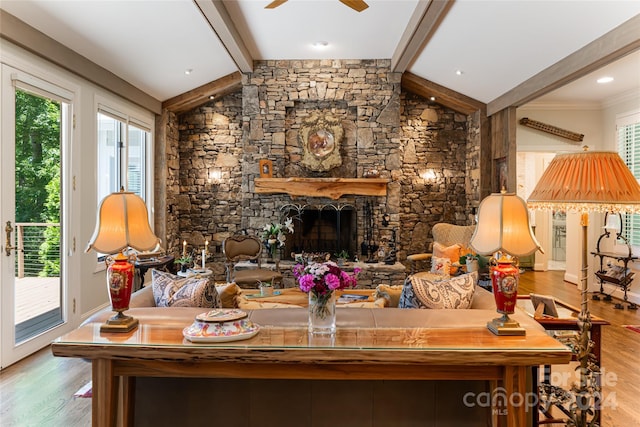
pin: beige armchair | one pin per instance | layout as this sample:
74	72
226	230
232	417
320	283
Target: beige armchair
445	235
240	247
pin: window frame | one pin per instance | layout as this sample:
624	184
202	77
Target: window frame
631	157
141	119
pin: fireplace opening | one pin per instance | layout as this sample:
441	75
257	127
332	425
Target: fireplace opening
327	229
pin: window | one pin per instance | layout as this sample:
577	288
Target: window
123	145
628	130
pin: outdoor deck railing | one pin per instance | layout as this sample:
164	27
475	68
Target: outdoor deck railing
37	249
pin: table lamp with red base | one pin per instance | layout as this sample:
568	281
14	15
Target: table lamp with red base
122	224
503	230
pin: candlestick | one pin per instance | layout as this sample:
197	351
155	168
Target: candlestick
184	248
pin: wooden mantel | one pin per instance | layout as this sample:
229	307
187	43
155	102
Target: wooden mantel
333	188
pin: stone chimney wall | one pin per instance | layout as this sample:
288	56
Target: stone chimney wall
397	133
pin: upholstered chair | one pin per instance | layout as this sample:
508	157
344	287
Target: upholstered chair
445	238
241	247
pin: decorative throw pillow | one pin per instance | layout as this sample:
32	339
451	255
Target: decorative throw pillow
456	292
175	291
228	293
441	266
452	252
390	293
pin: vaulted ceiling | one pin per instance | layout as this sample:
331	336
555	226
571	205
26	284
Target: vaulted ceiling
484	51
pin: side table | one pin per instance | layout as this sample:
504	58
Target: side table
567	320
160	263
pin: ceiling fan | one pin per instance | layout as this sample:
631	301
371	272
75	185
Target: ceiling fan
357	5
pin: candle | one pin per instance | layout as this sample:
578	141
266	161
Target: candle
204	257
184	248
206	246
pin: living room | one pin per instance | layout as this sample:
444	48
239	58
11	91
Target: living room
233	133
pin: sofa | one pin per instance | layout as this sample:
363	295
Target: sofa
232	296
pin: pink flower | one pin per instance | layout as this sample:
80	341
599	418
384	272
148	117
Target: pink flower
323	278
306	282
333	281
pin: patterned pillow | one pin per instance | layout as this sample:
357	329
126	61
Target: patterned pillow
453	253
456	292
441	266
175	291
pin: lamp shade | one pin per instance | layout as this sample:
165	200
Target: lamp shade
587	181
503	225
122	223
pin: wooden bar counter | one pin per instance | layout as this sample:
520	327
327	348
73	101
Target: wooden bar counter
370	344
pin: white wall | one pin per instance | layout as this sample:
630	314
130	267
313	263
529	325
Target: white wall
597	124
87	279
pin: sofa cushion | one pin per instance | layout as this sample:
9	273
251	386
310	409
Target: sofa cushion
174	291
456	292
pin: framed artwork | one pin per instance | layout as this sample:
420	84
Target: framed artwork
320	137
266	168
548	302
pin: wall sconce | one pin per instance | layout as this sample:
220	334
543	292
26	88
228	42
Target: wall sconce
428	175
215	176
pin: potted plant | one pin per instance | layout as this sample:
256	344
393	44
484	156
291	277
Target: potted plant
342	257
184	263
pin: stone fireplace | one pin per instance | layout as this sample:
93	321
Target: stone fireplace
384	130
328	228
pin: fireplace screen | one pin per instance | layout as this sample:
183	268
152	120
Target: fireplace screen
326	229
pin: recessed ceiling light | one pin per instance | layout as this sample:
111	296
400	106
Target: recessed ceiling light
433	98
606	79
320	44
459	72
188	71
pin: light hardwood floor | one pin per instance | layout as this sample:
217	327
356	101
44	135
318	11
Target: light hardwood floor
38	391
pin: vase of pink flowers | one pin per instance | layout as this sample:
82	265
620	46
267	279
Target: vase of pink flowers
320	280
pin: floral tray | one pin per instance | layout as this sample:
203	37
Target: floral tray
221	315
221	332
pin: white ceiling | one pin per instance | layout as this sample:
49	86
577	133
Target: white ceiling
497	44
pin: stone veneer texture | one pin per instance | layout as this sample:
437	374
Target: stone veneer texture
398	133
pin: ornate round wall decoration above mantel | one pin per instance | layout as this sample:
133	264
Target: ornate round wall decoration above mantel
320	136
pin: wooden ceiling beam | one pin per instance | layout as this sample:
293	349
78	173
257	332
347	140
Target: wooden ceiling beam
201	95
612	46
443	96
422	25
218	18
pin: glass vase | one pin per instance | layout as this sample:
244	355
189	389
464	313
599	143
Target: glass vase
322	313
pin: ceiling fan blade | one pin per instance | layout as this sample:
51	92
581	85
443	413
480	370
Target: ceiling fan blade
274	4
357	5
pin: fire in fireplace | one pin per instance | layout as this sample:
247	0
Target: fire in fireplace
327	228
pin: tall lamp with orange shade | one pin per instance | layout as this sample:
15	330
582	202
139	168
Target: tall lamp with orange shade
122	224
583	182
504	231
